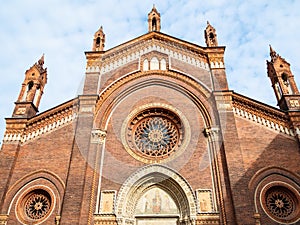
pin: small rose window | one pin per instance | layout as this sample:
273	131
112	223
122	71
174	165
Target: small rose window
35	206
281	204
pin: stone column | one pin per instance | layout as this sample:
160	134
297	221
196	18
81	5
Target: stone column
98	141
215	142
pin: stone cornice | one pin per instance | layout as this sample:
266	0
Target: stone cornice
263	114
130	51
161	37
55	118
56	110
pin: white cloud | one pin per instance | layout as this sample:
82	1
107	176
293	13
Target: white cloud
63	30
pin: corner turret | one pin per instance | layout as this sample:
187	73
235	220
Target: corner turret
31	91
283	82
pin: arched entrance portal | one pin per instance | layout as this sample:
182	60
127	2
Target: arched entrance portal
154	195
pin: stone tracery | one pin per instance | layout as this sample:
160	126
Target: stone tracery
35	206
156	136
280	202
154	133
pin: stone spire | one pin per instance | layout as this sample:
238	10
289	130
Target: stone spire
153	20
210	36
99	40
283	82
32	90
273	54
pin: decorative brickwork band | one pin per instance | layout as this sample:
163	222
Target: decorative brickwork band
208	219
267	122
27	130
173	51
32	133
266	115
105	220
98	136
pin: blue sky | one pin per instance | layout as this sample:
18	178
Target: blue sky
63	30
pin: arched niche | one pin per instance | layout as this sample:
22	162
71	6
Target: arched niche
146	65
154	64
163	64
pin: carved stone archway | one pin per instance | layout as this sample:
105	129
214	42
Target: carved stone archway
161	177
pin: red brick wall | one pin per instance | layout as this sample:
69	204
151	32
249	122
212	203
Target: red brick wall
198	73
109	77
192	164
42	161
262	148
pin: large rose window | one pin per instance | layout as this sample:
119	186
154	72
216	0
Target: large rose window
154	134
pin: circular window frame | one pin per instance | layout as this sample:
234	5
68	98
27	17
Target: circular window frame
20	210
290	191
183	141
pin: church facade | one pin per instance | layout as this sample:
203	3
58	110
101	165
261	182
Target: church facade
157	137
